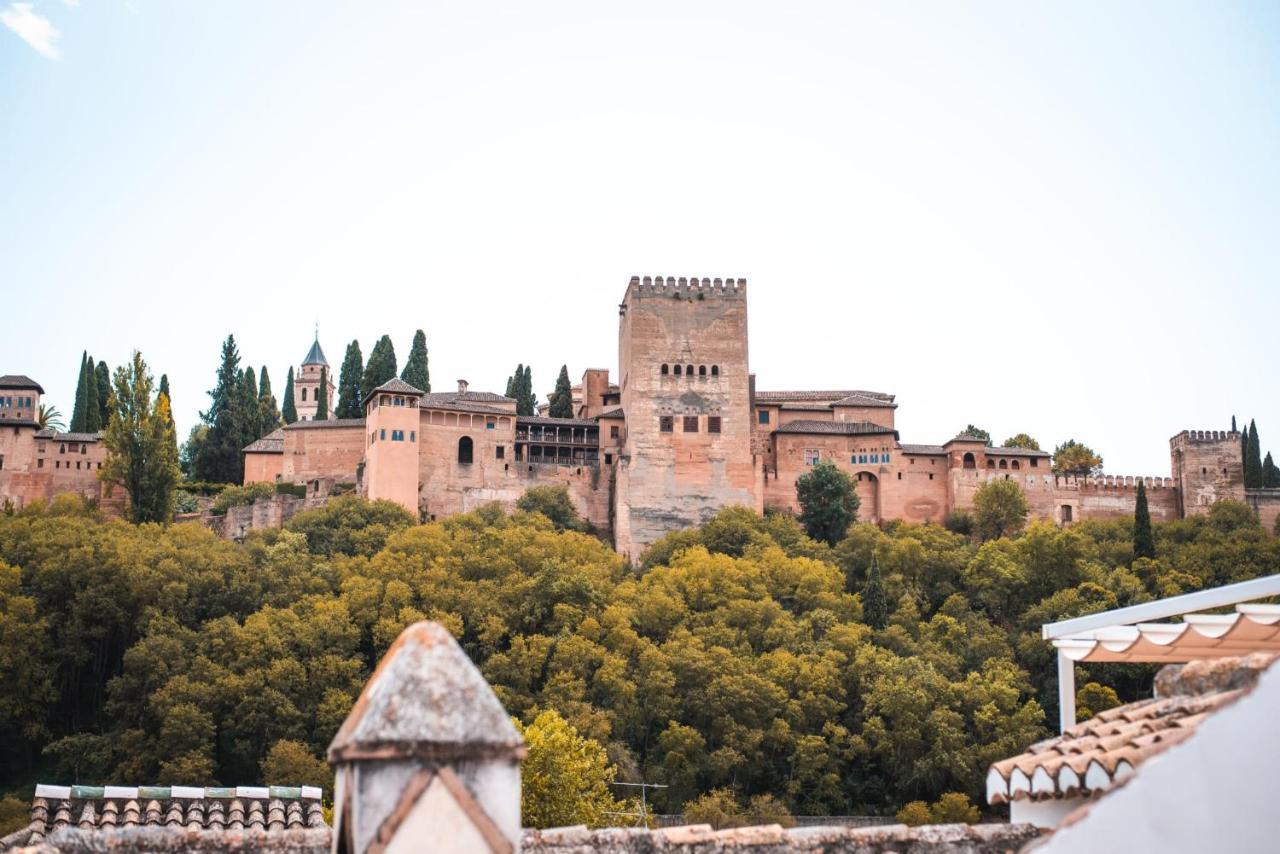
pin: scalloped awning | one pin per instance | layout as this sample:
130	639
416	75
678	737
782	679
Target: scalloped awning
1252	628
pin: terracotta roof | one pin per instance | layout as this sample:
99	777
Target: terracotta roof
966	437
922	449
55	436
272	443
861	399
273	810
426	699
465	397
616	412
1103	751
395	385
556	422
19	381
781	396
331	422
315	356
839	428
772	838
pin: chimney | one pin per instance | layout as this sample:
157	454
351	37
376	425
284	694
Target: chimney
462	386
427	759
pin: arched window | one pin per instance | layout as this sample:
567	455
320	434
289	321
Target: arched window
304	394
689	370
1014	465
715	370
991	464
969	462
677	370
665	370
464	450
702	370
1004	464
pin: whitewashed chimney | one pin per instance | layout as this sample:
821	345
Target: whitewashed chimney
427	760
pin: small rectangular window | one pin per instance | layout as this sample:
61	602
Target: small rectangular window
77	464
382	434
397	435
489	425
691	424
930	475
413	435
84	449
713	423
763	416
608	459
500	452
811	456
613	432
666	423
1035	464
40	463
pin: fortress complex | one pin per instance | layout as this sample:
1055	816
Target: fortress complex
684	433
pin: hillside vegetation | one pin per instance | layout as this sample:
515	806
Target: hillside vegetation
736	657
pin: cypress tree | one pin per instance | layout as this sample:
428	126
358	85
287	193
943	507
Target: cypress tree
562	398
515	389
875	604
349	377
529	403
1144	540
1233	424
268	411
92	411
380	367
218	459
322	396
1253	459
77	411
103	375
289	411
164	390
416	372
247	417
1270	473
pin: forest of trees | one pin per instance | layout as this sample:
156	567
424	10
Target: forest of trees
739	660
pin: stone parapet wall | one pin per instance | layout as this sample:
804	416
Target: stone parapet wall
1266	503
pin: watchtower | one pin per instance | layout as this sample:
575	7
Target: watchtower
1208	466
391	425
306	385
686	395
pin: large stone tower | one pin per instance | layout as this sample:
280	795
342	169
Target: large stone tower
686	394
1207	466
306	385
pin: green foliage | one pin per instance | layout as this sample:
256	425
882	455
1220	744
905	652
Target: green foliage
953	808
828	502
92	407
141	444
232	419
561	400
350	396
1093	698
268	411
914	814
416	371
1270	473
380	367
15	814
102	382
719	808
297	490
976	432
292	763
322	396
185	501
566	779
239	496
1076	459
875	606
49	418
78	409
520	389
958	522
162	390
289	410
1253	459
554	503
1021	440
1144	539
999	509
349	525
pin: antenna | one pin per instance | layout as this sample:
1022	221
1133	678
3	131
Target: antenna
641	817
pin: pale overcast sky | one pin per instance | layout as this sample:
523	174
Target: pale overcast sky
1059	218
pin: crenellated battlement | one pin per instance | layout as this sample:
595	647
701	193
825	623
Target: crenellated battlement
1113	481
1188	437
691	287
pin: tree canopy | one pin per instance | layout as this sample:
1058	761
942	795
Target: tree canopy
380	367
1074	458
560	404
978	432
141	443
828	502
999	509
350	394
416	371
1021	440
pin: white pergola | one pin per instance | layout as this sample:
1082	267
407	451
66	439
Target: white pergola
1129	635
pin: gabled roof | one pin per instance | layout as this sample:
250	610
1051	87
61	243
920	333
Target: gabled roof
315	356
325	423
616	412
839	428
272	443
19	381
922	449
861	399
55	436
395	385
426	699
831	396
547	421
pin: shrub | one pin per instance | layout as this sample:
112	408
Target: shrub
914	813
297	490
766	809
185	502
552	502
958	522
953	808
718	808
291	763
236	496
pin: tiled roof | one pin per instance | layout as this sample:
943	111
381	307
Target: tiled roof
395	385
465	397
19	381
966	437
315	356
55	436
272	443
556	422
273	809
861	399
616	412
328	423
1103	751
1252	626
781	396
839	428
922	449
992	451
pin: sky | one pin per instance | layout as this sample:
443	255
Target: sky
1057	218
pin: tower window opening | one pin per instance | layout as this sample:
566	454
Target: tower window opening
665	369
691	424
465	449
969	462
689	370
1014	465
715	370
666	423
713	423
702	370
1004	464
677	370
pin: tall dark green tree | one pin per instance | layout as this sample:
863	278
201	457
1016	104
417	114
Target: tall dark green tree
1144	539
218	460
875	603
164	390
416	372
268	411
520	389
828	502
142	444
289	410
322	396
971	430
561	401
349	376
102	373
380	367
1270	473
92	411
77	410
1253	459
529	404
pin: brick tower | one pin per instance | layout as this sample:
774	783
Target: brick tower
306	385
1207	466
685	385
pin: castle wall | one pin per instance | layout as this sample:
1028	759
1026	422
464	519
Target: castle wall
323	450
1087	497
1207	467
40	468
882	415
1266	503
262	467
678	478
794	450
915	488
